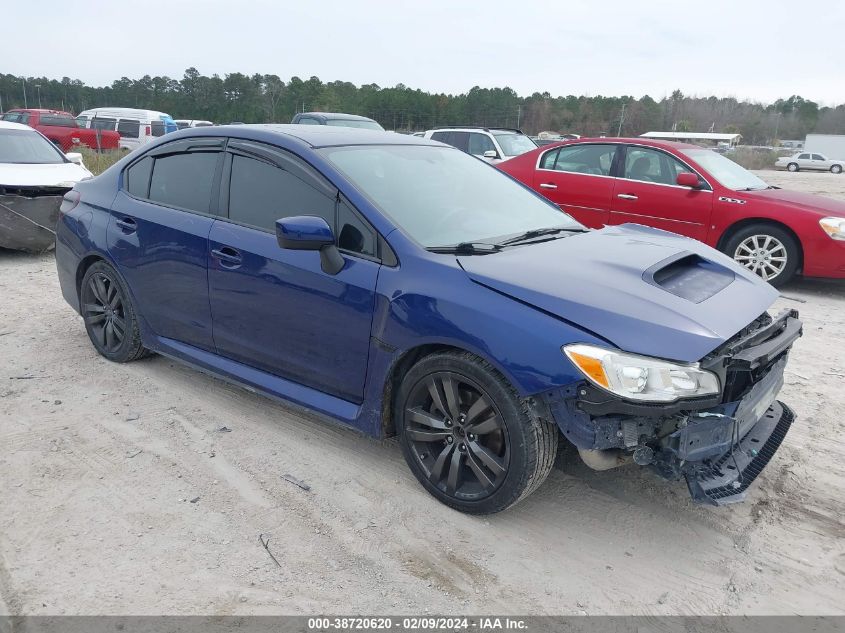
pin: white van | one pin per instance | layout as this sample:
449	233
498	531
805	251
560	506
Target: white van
136	127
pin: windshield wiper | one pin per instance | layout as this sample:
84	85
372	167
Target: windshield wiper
535	233
467	248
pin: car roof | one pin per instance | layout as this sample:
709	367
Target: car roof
341	116
127	111
8	125
40	111
470	128
318	135
649	142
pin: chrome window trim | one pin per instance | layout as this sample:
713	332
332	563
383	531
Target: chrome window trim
623	144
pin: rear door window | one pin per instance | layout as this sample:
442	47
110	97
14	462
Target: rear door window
129	128
595	160
157	128
184	180
103	123
818	157
804	157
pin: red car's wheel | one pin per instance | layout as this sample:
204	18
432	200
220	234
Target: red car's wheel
766	250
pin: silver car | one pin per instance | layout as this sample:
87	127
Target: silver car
810	160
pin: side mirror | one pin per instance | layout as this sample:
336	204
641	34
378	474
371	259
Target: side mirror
310	233
687	179
491	153
74	157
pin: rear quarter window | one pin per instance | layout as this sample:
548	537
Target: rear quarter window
138	178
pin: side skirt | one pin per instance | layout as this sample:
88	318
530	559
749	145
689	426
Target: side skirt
257	381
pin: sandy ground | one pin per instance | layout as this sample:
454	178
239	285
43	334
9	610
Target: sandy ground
120	495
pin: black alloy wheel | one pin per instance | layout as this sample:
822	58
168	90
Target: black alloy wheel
467	435
457	436
103	312
109	315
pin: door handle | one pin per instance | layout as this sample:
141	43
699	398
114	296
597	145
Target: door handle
547	185
627	196
227	255
127	225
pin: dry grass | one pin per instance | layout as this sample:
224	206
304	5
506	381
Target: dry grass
98	162
754	158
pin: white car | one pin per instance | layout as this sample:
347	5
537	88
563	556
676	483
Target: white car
186	123
34	176
491	144
810	160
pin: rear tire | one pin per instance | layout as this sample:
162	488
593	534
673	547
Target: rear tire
468	437
109	315
836	169
792	166
768	251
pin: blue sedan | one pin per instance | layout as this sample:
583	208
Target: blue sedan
405	288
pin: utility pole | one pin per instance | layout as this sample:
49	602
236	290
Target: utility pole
621	121
38	88
518	115
23	81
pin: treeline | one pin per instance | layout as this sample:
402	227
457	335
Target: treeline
267	98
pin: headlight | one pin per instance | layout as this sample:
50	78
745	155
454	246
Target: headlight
835	227
641	378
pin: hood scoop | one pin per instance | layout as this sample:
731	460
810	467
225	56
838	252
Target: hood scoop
689	276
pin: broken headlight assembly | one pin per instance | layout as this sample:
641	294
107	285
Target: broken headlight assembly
641	378
834	227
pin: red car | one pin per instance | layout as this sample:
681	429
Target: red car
693	191
61	128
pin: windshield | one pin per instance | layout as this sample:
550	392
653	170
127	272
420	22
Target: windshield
514	144
441	196
28	147
727	172
367	125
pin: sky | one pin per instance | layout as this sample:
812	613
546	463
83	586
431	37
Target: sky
748	49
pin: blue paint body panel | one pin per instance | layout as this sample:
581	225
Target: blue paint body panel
273	320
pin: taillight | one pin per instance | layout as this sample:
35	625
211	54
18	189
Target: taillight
148	130
69	201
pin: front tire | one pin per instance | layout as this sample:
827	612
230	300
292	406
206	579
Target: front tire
768	251
109	315
468	437
836	169
792	166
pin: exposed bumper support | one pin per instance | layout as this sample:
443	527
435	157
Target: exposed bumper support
29	223
726	480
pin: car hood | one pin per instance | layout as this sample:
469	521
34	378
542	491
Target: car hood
50	175
627	284
797	199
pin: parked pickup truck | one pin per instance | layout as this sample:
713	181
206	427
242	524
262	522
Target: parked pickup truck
61	128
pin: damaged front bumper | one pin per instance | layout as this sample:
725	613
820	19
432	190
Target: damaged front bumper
718	444
28	217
